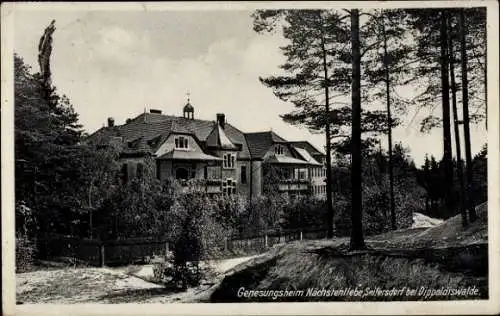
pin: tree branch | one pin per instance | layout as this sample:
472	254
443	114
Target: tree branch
369	47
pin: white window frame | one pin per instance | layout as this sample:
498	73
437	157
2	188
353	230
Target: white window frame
229	187
279	150
181	142
301	174
229	161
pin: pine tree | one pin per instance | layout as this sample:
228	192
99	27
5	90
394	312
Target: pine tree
445	93
452	59
317	79
385	69
465	104
357	240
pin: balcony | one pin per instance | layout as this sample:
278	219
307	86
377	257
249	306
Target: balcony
294	185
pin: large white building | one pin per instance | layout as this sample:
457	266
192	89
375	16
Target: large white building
222	158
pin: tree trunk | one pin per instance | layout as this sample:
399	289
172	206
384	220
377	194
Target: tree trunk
445	92
357	240
465	104
389	130
461	198
486	85
329	200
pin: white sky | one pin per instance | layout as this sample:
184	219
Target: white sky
115	64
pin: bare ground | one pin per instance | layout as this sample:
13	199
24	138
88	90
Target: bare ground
106	285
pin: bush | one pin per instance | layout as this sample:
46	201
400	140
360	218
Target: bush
196	236
304	212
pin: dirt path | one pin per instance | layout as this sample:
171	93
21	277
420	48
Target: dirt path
103	285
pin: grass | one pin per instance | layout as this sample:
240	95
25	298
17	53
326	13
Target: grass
446	256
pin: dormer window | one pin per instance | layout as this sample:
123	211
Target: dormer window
181	142
279	150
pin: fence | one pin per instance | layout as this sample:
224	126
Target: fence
265	240
100	253
137	250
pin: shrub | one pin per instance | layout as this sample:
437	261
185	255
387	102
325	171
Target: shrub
196	235
304	212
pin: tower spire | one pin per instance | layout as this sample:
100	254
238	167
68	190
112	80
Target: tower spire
188	111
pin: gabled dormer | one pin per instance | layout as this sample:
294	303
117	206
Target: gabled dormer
217	139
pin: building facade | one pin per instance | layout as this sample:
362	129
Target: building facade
216	156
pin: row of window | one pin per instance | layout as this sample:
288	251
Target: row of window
279	150
319	189
229	187
289	174
318	172
181	142
210	172
229	160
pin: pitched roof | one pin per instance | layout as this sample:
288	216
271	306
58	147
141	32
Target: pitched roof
147	131
306	156
307	146
259	143
286	160
188	155
218	138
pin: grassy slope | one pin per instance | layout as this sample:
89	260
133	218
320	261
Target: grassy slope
434	258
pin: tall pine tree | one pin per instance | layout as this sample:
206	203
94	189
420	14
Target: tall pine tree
316	77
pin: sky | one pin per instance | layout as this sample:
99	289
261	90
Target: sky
120	63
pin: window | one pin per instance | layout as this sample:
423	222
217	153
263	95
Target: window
124	173
229	187
181	174
302	174
213	172
140	170
286	174
279	150
158	169
181	142
229	161
243	176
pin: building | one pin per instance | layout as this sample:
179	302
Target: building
222	159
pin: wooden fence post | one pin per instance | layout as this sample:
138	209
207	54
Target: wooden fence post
301	235
225	243
265	241
101	256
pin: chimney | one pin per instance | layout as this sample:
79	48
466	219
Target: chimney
111	122
221	120
128	120
153	111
